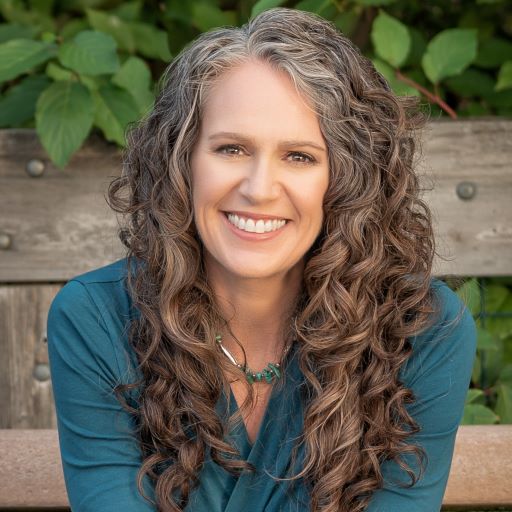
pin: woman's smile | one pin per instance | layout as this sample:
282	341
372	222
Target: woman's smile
254	229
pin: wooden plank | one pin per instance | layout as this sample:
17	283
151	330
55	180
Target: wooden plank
475	234
60	224
26	398
31	470
481	469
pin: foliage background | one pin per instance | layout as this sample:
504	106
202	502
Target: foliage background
72	67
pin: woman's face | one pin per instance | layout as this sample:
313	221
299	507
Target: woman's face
260	156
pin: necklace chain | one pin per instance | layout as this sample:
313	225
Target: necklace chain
269	374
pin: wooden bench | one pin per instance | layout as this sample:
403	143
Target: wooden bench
55	224
31	472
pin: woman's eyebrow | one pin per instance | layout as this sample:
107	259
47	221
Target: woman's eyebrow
287	143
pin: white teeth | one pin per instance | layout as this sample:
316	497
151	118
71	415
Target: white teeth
250	226
259	226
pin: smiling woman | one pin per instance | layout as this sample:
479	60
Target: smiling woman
274	339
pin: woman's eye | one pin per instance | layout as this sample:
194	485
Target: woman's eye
229	149
301	158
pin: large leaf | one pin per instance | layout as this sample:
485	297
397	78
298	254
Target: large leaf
150	41
505	76
478	414
263	5
19	104
449	53
206	15
391	39
135	76
64	116
504	403
10	31
113	25
21	55
91	53
115	108
316	6
475	396
128	11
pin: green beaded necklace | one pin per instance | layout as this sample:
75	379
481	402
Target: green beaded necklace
269	374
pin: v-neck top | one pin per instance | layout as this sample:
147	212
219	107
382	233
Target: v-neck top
89	354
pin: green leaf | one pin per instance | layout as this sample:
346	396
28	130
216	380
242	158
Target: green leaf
504	403
10	31
471	82
128	11
493	52
347	21
113	25
469	293
486	341
19	104
398	86
263	5
418	47
501	326
316	6
115	108
495	296
391	39
375	2
506	375
475	395
449	53
135	76
150	41
64	116
15	12
72	28
478	414
43	6
21	55
91	53
58	73
505	76
206	16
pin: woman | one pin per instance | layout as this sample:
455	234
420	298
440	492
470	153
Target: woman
274	339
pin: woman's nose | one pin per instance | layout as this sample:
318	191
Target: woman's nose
260	184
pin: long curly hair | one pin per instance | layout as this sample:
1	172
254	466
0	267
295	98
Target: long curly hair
366	285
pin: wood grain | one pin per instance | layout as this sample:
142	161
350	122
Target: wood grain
26	399
60	224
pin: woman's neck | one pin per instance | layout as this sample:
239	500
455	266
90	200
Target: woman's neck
257	310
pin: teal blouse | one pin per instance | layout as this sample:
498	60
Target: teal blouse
89	354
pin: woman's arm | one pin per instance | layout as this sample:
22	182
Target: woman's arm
100	455
439	373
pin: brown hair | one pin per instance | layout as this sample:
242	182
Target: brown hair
366	285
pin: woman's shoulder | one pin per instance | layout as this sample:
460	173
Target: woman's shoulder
88	319
104	287
445	350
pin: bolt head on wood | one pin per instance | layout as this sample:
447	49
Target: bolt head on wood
466	190
35	167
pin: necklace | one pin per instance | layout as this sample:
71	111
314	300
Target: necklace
270	373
